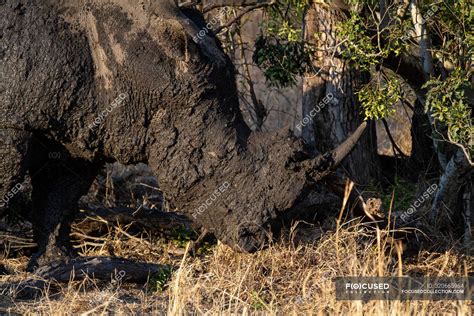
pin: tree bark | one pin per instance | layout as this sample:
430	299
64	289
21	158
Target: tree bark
428	71
451	185
422	145
332	76
458	166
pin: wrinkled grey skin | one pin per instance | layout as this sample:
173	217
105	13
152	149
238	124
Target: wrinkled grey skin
62	66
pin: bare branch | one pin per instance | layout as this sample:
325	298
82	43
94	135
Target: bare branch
239	16
392	140
239	3
209	5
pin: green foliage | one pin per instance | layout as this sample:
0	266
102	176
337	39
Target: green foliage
404	194
205	249
285	31
183	236
281	62
448	104
452	31
258	302
371	3
450	26
378	99
365	44
358	46
160	279
284	20
280	50
396	38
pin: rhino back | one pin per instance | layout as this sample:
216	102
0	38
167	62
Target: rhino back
65	62
45	68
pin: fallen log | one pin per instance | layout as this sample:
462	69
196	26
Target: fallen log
116	270
101	268
144	218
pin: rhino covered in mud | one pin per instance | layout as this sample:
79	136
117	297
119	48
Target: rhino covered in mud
84	83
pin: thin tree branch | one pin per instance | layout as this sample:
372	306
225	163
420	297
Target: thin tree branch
392	140
239	16
232	3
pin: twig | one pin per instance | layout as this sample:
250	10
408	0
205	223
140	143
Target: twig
239	16
253	3
394	144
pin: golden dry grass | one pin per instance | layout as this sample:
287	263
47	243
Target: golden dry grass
290	277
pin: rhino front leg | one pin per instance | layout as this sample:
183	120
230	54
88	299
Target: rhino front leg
13	152
57	188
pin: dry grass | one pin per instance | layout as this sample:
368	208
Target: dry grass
293	276
290	277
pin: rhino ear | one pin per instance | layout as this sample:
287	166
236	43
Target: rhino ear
322	165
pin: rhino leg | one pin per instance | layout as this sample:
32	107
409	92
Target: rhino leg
13	152
57	187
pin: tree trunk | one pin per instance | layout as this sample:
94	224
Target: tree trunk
422	149
456	168
451	186
335	80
